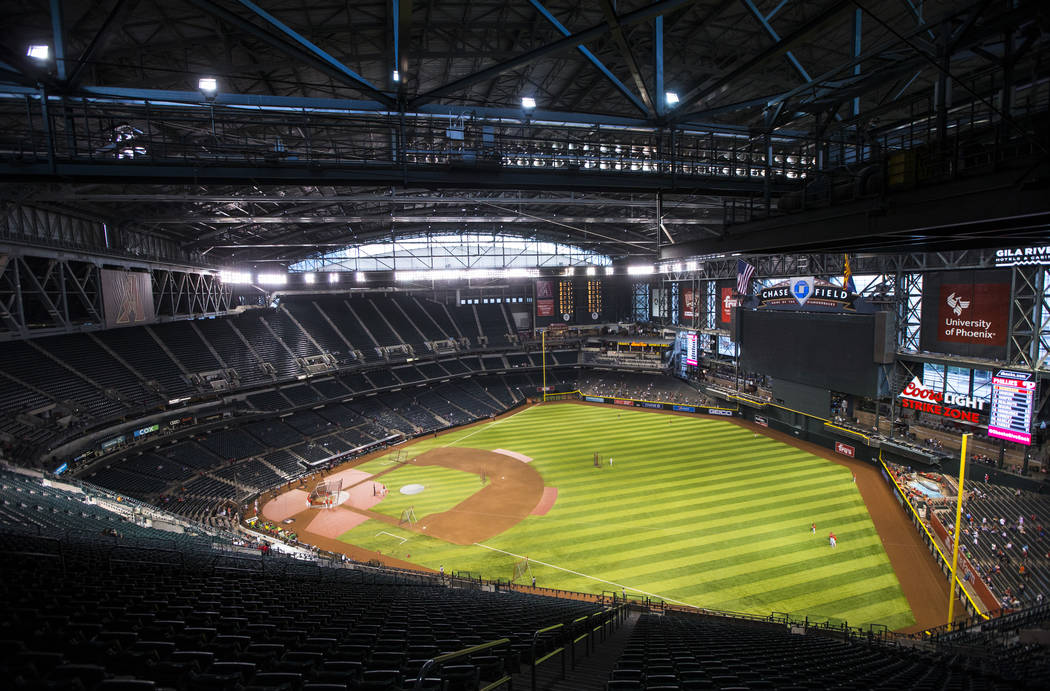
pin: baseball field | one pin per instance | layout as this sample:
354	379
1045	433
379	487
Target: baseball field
693	511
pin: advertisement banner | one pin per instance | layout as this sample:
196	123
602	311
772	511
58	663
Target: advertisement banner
1023	256
544	290
917	396
620	401
812	293
594	399
690	349
845	449
759	420
966	313
545	308
728	302
685	408
720	411
127	297
687	304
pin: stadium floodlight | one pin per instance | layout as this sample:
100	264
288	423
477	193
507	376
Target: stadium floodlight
38	52
333	277
569	271
671	97
359	276
609	270
528	102
309	278
641	269
397	76
208	85
272	279
677	268
591	270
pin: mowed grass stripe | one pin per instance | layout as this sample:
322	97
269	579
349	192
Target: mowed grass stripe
698	511
720	548
744	498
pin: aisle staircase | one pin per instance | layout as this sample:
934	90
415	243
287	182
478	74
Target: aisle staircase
591	671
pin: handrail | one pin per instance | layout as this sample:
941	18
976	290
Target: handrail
452	656
533	662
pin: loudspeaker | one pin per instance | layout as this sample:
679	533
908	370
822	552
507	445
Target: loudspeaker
885	346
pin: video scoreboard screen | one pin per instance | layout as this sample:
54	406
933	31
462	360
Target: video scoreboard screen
690	350
1013	396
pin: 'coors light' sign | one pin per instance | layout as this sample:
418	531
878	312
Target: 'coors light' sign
917	396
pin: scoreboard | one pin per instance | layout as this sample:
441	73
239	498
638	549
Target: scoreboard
690	352
1013	396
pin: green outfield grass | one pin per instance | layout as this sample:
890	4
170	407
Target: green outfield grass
693	510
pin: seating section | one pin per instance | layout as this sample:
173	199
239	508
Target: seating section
269	400
192	619
269	350
186	345
221	335
231	444
642	387
138	348
151	608
493	324
688	652
56	388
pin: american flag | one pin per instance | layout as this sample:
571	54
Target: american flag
744	273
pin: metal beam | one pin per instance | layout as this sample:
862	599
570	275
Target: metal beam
776	37
58	33
383	198
592	58
314	49
295	53
698	92
855	53
160	98
473	177
658	64
628	55
383	218
653	10
116	17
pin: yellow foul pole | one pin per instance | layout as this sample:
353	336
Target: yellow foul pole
543	350
958	527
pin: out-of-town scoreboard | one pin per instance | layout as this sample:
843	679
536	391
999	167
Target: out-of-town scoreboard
1013	397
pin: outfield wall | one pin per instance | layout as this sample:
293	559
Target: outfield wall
657	405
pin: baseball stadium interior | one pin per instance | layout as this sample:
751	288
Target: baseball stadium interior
463	345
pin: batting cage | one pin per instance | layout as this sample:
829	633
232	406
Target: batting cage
325	493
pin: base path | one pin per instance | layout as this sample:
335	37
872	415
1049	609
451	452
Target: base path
513	490
514	454
550	495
